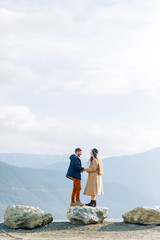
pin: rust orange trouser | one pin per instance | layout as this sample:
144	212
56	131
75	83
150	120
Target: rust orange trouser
76	189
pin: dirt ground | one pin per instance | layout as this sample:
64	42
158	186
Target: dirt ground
67	230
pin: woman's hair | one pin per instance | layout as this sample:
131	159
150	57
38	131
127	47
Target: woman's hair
100	169
95	156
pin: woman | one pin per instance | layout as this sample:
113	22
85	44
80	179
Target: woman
94	183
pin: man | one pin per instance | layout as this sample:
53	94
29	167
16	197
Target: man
74	173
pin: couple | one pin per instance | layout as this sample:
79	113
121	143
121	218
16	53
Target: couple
94	183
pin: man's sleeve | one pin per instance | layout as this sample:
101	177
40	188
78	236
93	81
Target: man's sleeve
74	164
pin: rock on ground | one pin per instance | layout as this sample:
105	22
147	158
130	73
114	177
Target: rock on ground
143	215
86	214
26	217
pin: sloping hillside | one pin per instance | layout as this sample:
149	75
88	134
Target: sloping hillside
36	187
139	172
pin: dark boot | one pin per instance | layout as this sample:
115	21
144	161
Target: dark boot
91	204
88	204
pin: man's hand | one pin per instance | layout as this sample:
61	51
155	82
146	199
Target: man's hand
84	170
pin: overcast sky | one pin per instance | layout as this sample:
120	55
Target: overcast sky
79	73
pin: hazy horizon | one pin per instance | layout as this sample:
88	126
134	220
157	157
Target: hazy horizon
83	157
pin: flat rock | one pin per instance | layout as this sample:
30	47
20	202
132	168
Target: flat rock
17	216
143	215
86	214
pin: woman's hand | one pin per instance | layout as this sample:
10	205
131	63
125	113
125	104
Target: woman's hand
84	170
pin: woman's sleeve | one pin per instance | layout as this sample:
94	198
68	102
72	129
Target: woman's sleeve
93	167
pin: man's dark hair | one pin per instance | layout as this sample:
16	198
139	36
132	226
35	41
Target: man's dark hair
78	150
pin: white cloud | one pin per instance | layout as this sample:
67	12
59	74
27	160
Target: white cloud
113	49
123	139
16	117
23	131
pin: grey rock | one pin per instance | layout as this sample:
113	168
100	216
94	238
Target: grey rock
25	217
143	215
86	214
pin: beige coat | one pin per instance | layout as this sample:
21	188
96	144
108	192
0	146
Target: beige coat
94	183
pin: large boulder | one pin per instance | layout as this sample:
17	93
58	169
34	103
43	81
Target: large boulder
26	217
143	215
86	214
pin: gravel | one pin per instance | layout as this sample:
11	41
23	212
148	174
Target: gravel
69	231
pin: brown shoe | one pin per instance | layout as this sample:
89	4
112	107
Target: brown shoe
78	203
73	204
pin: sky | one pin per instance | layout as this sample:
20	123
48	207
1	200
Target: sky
79	74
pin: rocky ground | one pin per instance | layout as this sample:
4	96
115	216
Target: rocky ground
67	230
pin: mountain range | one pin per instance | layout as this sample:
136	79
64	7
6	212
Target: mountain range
31	160
129	181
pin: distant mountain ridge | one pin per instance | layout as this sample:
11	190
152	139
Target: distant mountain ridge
129	181
49	160
35	160
31	160
139	171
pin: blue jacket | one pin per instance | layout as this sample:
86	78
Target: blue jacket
74	170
